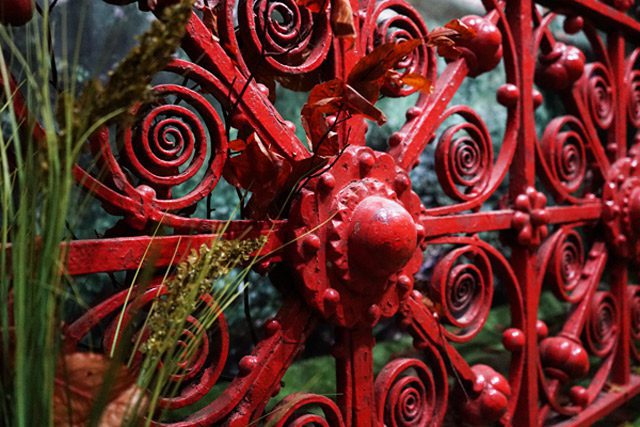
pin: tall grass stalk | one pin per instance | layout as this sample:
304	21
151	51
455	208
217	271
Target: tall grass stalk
36	191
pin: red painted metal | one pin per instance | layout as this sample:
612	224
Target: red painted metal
352	239
16	12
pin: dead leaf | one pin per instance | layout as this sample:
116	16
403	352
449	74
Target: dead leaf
333	98
256	168
125	408
342	22
324	141
356	96
367	76
444	39
465	32
358	104
417	81
210	20
324	99
81	377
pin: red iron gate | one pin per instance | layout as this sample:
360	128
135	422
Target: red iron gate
357	231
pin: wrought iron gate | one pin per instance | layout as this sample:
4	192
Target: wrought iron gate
348	246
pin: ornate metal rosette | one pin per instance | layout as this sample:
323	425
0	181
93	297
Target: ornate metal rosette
370	205
621	197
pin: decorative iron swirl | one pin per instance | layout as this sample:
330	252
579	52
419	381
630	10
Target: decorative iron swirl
563	148
599	94
633	293
396	21
601	330
305	409
464	162
175	139
565	267
201	350
462	289
633	96
409	394
286	37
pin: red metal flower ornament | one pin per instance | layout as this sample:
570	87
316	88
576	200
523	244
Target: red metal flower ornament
531	217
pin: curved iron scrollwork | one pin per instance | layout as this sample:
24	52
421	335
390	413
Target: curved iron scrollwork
352	239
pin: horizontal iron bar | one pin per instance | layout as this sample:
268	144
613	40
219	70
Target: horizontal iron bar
501	219
129	253
603	16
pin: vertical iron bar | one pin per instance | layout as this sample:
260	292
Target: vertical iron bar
522	175
620	372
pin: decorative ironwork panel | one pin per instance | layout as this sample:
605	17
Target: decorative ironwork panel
550	207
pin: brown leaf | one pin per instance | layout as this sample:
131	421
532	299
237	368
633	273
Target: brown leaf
357	96
210	20
464	31
417	81
445	39
267	174
324	99
256	167
125	408
368	74
305	167
333	98
342	19
358	104
80	378
323	140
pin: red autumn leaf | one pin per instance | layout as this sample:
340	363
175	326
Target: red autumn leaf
305	167
356	96
444	39
256	168
324	99
80	379
464	31
358	104
367	76
237	145
333	98
267	174
417	81
448	51
324	141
